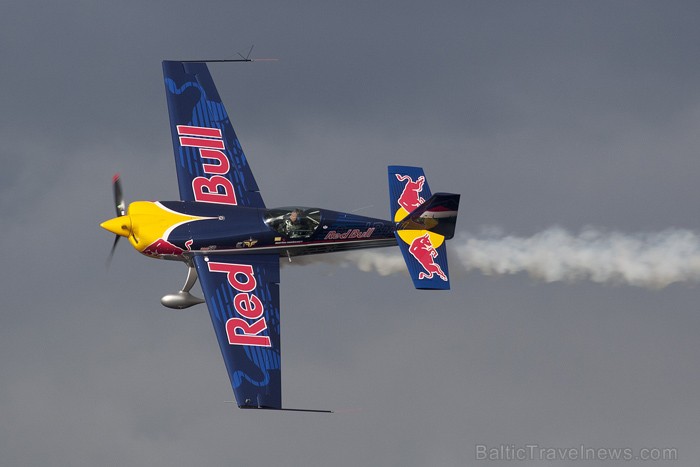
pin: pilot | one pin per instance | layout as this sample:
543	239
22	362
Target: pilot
292	221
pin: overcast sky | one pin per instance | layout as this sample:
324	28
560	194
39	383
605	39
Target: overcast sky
540	114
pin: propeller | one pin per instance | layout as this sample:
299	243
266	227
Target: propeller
118	197
120	207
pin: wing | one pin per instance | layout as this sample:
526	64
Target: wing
242	294
211	166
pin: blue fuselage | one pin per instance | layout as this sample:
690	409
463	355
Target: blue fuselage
289	231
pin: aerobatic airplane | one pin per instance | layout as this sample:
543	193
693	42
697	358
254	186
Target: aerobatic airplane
222	230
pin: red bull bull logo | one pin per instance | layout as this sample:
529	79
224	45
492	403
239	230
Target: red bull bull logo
410	198
216	188
425	253
162	247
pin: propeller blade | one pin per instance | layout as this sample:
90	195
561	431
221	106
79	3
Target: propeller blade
119	203
114	247
120	207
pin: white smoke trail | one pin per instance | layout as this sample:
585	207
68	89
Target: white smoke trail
372	260
652	260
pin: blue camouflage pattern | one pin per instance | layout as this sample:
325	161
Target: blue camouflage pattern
254	371
194	101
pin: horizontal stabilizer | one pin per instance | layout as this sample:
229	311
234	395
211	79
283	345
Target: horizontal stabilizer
438	214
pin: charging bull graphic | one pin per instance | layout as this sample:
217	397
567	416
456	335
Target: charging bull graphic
425	253
410	198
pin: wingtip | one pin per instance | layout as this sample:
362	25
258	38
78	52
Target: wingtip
283	409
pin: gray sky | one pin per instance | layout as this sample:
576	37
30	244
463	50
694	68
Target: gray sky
538	113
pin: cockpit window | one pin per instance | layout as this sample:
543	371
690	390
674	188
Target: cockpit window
293	222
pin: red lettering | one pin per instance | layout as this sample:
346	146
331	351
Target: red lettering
232	271
247	305
212	194
201	142
198	131
220	168
211	146
249	335
242	278
354	233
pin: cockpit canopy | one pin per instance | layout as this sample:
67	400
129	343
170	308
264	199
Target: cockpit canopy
293	222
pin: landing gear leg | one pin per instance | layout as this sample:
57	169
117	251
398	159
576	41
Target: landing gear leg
183	299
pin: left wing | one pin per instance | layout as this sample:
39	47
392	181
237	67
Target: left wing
242	294
210	163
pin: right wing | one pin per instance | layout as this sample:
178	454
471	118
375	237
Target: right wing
242	294
211	166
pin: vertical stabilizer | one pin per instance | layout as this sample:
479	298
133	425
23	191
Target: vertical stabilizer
423	250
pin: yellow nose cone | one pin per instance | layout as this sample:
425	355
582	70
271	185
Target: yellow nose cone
119	225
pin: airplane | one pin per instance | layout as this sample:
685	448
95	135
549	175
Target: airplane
229	239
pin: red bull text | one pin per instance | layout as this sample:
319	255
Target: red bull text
246	305
211	146
352	233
